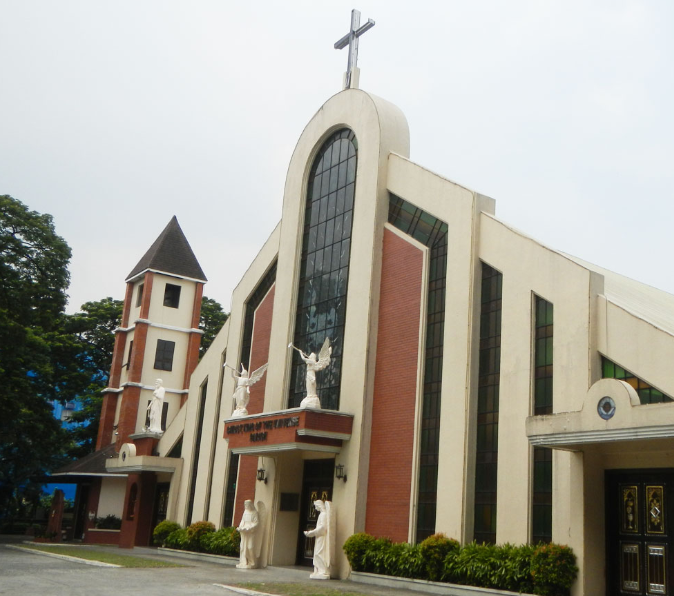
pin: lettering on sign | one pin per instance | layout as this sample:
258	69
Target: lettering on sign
259	429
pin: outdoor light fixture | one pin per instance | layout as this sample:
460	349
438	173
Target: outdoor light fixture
262	475
340	473
92	515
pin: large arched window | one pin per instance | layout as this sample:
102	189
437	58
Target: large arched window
324	273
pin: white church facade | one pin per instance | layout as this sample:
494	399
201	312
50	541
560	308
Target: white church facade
481	384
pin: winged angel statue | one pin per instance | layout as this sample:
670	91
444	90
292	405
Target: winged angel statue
314	365
243	383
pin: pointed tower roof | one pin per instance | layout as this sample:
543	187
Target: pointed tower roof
170	253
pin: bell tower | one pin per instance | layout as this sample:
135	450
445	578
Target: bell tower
158	339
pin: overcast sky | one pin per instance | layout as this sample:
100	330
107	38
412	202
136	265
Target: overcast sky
115	116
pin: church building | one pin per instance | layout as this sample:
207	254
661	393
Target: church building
480	384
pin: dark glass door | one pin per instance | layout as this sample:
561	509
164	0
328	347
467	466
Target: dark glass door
160	509
316	484
81	511
639	532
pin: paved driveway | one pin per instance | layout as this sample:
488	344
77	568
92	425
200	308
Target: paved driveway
24	573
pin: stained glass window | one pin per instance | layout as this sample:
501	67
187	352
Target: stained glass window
541	506
647	393
486	458
324	270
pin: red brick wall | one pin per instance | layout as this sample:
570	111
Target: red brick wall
107	419
259	353
395	387
259	350
194	341
137	528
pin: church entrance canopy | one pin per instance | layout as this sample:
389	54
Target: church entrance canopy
301	429
611	420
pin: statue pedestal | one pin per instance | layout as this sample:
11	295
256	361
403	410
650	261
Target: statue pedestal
311	402
145	442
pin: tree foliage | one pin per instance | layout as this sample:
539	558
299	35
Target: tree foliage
92	330
46	355
33	282
211	321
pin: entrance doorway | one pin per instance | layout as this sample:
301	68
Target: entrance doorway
639	528
316	484
160	509
81	507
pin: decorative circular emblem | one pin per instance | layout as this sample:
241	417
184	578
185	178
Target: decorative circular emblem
606	407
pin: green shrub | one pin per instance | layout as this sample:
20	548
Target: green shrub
553	569
14	528
405	560
196	531
377	557
109	522
223	542
355	548
162	530
547	569
177	539
434	551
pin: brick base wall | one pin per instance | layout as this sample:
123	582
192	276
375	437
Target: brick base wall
395	389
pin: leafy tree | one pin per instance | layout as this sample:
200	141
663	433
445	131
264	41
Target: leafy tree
92	330
212	320
33	282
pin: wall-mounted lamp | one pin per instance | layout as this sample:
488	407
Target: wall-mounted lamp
340	472
92	515
262	475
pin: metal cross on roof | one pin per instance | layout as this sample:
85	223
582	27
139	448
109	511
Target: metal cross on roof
351	40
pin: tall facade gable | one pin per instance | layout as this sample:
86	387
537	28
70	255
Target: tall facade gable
379	128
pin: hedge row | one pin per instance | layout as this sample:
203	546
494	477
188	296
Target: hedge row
200	537
546	569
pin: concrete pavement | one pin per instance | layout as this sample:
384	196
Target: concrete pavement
27	574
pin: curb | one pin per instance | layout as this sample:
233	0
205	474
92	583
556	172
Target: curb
244	591
206	557
429	587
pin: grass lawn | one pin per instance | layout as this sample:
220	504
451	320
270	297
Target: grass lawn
83	552
290	589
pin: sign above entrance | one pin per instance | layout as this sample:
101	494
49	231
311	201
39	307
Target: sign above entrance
287	430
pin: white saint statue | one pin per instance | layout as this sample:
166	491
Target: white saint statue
313	365
249	528
155	408
242	392
324	532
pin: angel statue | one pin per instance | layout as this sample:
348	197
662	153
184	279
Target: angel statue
242	392
324	532
313	365
250	528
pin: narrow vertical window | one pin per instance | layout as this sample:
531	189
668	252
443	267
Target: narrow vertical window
128	360
324	269
486	459
431	232
197	451
541	505
139	295
230	493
